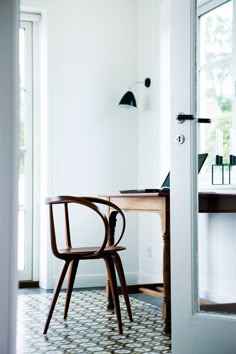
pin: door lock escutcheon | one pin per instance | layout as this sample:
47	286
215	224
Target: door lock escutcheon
180	139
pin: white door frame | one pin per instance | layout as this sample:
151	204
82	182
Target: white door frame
9	171
181	101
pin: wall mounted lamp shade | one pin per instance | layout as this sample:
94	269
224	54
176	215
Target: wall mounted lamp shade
128	101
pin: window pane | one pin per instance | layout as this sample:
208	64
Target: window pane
216	80
25	151
216	33
22	56
209	142
215	83
216	89
21	191
21	240
22	118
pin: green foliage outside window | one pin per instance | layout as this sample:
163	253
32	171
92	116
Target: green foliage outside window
216	78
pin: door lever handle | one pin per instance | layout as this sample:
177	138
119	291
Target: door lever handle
204	120
181	118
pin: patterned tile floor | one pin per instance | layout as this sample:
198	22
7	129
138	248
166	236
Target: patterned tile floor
89	328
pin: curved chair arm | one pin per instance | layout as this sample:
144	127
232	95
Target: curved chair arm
77	200
114	207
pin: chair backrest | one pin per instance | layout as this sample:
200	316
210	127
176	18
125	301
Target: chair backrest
111	208
92	203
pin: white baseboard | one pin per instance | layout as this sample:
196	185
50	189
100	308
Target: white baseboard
94	281
99	280
90	280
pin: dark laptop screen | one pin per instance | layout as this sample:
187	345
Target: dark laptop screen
201	160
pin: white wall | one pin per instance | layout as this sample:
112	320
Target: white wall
92	144
153	127
92	58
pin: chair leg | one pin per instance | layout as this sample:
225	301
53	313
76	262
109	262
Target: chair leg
113	284
55	296
71	280
121	275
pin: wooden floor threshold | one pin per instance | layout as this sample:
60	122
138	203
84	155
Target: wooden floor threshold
28	284
155	290
150	292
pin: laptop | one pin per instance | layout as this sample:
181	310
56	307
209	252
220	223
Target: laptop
165	187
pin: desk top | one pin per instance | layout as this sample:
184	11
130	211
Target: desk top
130	195
209	194
136	195
209	202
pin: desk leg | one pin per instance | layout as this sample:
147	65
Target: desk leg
166	307
112	225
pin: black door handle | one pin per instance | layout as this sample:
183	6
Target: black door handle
204	120
181	118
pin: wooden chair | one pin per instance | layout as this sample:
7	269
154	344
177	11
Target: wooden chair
71	256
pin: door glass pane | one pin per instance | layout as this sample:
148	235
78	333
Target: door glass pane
216	240
21	189
25	152
22	56
215	80
21	240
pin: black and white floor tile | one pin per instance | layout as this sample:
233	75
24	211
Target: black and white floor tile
89	328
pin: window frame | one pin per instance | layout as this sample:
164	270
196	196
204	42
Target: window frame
31	21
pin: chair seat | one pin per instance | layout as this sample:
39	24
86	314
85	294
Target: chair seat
84	250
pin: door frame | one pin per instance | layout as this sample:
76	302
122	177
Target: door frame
9	17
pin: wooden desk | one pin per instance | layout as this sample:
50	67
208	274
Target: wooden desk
151	203
160	203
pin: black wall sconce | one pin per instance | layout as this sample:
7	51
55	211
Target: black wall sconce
128	101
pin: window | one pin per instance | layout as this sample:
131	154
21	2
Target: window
27	162
215	77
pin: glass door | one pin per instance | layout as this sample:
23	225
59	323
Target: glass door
215	84
196	330
216	100
25	206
